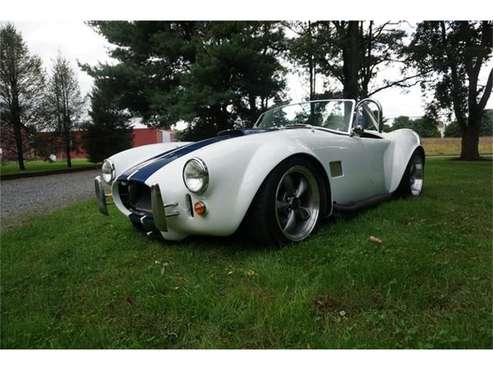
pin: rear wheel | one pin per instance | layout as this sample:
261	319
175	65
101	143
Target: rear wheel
413	178
288	206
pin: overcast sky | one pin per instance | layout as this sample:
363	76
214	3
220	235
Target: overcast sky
78	42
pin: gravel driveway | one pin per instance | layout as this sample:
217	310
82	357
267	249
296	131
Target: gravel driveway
43	194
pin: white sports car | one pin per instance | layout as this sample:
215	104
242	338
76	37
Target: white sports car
299	164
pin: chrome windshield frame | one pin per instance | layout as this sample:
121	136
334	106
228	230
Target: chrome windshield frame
351	116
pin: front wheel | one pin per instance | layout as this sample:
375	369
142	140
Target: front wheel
288	206
413	178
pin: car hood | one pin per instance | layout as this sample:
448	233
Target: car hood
143	170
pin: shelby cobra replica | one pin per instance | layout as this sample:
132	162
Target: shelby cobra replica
299	164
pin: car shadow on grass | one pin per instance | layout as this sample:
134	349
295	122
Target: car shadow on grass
241	241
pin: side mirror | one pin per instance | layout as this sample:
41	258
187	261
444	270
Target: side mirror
357	130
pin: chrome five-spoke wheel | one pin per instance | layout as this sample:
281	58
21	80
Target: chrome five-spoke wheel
289	204
297	203
416	174
413	178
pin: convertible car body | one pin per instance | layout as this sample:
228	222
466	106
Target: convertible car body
299	163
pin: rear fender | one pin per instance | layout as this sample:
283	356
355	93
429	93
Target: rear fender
403	144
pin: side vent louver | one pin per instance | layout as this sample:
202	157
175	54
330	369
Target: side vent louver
336	169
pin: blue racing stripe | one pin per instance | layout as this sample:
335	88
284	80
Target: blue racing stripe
144	170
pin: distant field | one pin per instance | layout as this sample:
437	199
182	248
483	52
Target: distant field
12	167
451	146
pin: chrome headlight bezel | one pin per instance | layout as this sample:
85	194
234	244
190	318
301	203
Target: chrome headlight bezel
108	171
198	165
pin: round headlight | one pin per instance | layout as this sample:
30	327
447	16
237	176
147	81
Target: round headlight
108	170
195	175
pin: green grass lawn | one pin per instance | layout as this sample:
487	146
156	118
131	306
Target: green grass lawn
12	167
75	279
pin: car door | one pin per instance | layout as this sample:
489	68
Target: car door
344	159
374	147
342	154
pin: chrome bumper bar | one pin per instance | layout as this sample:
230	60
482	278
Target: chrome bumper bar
158	207
101	196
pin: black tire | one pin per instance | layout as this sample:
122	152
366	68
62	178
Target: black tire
405	188
261	223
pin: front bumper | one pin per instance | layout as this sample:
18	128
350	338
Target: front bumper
158	215
101	195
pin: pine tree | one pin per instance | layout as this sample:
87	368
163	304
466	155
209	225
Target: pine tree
108	131
209	74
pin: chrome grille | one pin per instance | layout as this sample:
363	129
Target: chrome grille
135	196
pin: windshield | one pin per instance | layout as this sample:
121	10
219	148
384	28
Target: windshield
331	114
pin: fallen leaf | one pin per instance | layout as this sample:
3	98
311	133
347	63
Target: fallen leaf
250	273
130	301
375	240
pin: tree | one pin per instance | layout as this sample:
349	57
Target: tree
235	75
64	102
304	50
209	74
424	126
108	131
455	53
486	129
452	130
22	85
353	52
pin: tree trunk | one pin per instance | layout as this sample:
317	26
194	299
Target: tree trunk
253	113
16	120
470	142
311	69
19	146
220	118
351	62
67	149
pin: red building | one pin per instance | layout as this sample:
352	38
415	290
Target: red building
51	144
140	136
8	147
143	136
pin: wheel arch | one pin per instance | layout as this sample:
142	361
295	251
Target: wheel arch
404	142
419	148
314	161
325	177
422	151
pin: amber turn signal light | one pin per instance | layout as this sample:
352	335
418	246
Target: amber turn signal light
199	208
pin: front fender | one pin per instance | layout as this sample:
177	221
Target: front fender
264	160
237	168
